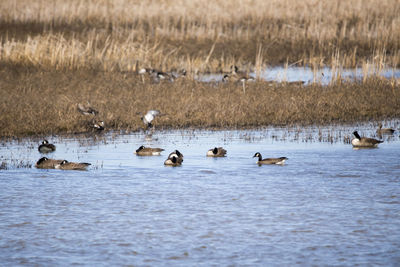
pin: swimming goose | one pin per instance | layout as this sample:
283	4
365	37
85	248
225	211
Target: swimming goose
46	163
216	152
381	130
66	165
260	161
148	151
176	154
173	161
87	109
150	116
364	141
45	147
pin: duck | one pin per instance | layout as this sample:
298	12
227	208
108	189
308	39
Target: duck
46	163
216	152
66	165
381	130
240	76
87	109
364	141
46	147
279	161
148	151
150	116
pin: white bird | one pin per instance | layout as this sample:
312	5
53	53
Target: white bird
150	116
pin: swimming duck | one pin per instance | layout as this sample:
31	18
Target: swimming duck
148	151
173	161
46	163
66	165
364	141
216	152
87	109
260	161
45	147
381	130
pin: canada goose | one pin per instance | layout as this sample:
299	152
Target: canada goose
364	141
87	109
150	116
66	165
173	161
148	151
176	154
158	76
260	161
240	76
381	130
46	163
216	152
45	147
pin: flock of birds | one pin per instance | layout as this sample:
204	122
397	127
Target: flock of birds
175	158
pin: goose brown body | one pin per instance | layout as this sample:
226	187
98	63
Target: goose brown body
364	142
46	147
66	165
148	151
216	152
46	163
261	161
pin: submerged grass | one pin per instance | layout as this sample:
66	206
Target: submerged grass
35	102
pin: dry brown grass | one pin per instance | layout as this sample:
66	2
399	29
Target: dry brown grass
35	102
198	35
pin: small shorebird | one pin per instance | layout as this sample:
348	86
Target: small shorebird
46	163
45	147
87	109
382	131
279	161
216	152
148	151
364	142
66	165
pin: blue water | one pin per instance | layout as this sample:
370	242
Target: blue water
323	76
328	205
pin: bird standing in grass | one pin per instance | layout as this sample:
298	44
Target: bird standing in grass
87	109
150	116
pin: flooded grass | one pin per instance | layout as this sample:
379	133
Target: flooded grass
45	103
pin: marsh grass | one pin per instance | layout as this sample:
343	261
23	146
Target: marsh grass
36	102
200	36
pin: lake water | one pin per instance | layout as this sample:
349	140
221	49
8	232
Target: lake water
328	205
306	74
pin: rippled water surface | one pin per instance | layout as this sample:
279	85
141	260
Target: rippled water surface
329	205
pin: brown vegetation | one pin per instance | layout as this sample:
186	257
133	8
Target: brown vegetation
36	102
122	35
